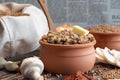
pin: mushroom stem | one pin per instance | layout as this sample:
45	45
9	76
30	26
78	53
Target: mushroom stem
36	76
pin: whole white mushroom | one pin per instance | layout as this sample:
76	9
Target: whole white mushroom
11	66
32	68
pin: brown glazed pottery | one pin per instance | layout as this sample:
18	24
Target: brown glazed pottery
110	40
67	59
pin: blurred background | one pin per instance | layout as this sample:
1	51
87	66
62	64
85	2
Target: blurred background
84	13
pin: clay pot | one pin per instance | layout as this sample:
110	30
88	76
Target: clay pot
67	59
110	40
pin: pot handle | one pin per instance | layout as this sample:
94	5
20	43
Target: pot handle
47	14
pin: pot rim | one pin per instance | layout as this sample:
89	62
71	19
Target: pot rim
112	33
74	45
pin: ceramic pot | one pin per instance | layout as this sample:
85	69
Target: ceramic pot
110	40
67	59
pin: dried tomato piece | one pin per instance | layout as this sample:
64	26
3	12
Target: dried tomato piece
78	76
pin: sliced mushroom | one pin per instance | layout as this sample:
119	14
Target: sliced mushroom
117	60
100	59
115	53
100	52
109	56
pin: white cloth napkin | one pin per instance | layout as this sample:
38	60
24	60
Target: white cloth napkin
21	34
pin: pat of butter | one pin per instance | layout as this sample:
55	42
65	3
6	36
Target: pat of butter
79	30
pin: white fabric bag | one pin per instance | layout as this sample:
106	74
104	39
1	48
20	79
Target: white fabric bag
21	34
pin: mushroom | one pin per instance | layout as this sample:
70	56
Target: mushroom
11	66
109	56
117	61
32	68
115	53
100	55
99	59
100	52
2	62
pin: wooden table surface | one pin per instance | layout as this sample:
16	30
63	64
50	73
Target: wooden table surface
6	75
96	72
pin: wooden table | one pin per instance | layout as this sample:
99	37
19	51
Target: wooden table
96	72
5	75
